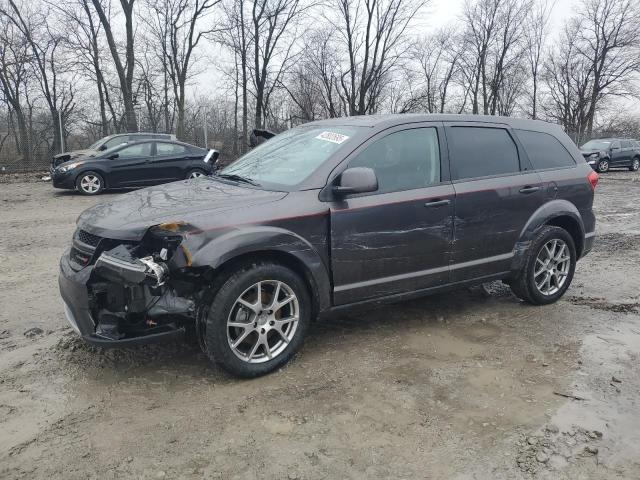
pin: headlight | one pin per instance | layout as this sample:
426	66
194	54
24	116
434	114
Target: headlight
66	168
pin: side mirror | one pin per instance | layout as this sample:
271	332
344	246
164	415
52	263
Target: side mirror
615	148
356	180
103	147
113	156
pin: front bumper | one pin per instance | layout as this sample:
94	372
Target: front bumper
75	296
64	180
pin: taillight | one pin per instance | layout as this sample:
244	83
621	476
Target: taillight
593	179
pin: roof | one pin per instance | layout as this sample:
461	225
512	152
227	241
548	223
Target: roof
389	120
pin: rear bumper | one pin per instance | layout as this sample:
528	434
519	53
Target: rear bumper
76	300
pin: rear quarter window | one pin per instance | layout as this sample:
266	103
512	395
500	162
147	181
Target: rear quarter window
545	151
481	152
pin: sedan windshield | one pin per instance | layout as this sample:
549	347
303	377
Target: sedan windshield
290	157
97	144
596	145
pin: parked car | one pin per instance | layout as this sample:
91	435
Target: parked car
329	216
134	164
107	143
603	154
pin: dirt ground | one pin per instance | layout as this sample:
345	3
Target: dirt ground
468	385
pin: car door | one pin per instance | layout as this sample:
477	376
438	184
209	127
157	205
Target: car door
626	148
169	162
617	154
396	239
129	168
496	193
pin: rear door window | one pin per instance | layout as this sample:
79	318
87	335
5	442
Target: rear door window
481	152
170	149
626	144
544	150
403	160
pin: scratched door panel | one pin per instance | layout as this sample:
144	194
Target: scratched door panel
390	243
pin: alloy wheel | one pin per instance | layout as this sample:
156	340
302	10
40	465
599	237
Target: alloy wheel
263	321
552	267
603	166
90	184
196	174
635	165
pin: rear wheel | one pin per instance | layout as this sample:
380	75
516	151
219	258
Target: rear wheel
635	164
196	173
603	166
548	268
89	183
257	320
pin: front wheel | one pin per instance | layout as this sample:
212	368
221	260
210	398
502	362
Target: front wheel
548	268
89	183
603	166
635	164
257	320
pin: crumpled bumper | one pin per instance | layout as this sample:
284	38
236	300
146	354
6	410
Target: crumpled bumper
75	297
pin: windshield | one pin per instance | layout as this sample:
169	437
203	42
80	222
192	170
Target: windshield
97	144
596	145
290	157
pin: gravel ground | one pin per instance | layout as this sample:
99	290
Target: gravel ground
467	385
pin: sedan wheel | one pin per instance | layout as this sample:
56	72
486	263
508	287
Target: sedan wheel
90	183
635	165
603	166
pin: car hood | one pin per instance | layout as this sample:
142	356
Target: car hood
586	152
60	158
203	203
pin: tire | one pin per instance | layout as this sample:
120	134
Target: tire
195	173
635	164
603	165
526	285
250	359
90	183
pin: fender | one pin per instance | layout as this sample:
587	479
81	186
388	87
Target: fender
542	216
214	252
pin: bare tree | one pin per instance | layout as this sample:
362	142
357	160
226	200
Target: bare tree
438	59
273	38
124	70
372	38
84	32
175	27
494	36
568	78
15	58
609	41
46	60
537	30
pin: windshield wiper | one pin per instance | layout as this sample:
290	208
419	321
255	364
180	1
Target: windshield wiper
237	178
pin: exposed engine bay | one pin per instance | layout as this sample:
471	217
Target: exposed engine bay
137	290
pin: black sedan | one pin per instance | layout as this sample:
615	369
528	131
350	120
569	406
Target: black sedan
142	163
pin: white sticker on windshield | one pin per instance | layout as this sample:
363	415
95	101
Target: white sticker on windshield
332	137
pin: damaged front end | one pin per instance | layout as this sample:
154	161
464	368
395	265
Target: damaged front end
136	292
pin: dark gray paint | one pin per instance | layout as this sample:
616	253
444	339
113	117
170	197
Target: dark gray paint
366	247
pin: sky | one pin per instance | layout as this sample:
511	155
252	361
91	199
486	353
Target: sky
441	12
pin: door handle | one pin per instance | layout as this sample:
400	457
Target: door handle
529	189
437	203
